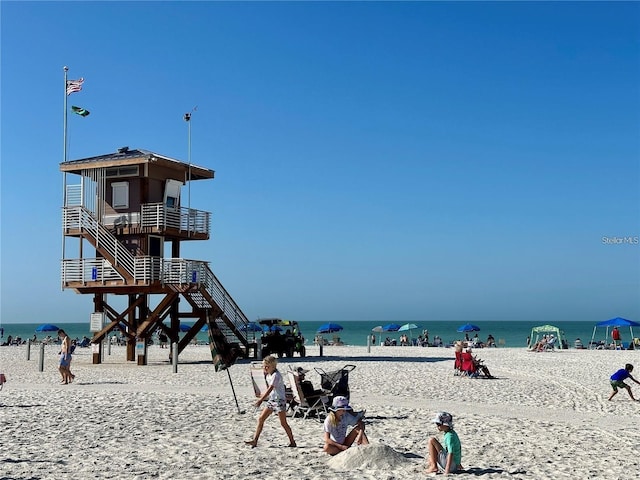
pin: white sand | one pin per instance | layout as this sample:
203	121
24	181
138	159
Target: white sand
547	416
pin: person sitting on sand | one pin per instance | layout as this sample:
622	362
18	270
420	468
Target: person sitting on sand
340	417
618	378
275	396
448	457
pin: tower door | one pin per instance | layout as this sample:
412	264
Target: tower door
172	193
156	246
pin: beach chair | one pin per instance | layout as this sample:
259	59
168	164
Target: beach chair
550	345
468	367
258	378
306	405
457	364
336	382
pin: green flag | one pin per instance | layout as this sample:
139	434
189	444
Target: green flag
80	111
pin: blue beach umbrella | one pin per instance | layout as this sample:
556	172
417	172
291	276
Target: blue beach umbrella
185	327
468	327
392	327
251	327
272	328
47	327
329	328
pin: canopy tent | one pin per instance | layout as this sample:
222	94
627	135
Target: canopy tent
614	322
537	332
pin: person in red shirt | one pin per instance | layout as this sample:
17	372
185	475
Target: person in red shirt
615	335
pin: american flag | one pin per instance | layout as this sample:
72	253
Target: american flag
74	85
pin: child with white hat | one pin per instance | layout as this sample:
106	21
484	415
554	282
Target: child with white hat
447	457
340	417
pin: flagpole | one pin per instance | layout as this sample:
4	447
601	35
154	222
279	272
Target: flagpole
64	155
64	150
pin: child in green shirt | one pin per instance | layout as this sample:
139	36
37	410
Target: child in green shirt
448	457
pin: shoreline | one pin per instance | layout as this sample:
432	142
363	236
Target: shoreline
546	415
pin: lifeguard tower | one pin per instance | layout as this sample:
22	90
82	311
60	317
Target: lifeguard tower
123	223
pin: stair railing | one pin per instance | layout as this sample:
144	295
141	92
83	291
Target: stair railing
80	218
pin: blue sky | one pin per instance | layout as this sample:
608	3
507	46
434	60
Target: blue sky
374	161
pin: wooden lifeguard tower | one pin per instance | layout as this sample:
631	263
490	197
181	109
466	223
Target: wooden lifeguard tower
123	224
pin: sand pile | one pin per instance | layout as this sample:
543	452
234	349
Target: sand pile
373	456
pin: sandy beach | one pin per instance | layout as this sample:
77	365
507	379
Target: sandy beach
545	416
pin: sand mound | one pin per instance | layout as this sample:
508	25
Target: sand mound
374	456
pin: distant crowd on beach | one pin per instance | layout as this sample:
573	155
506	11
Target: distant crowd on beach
422	340
48	340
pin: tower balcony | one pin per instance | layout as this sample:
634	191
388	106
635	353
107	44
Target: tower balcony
96	274
153	218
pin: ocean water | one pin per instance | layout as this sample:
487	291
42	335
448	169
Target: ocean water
514	334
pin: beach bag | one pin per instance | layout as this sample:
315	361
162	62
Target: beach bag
3	380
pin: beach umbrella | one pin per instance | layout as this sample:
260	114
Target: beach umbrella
251	327
408	327
185	327
272	328
468	327
379	331
392	327
47	327
329	328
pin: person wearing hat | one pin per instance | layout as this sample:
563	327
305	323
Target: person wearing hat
340	417
445	457
308	390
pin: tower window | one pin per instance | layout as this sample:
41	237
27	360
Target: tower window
120	197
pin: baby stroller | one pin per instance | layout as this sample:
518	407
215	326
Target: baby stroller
336	382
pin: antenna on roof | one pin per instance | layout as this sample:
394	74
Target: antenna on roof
187	118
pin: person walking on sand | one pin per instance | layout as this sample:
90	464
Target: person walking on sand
446	458
275	397
618	378
65	358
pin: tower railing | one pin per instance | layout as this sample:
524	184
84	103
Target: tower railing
158	215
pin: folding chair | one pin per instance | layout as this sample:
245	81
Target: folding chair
305	406
457	364
258	378
468	367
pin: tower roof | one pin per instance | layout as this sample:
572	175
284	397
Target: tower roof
126	156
